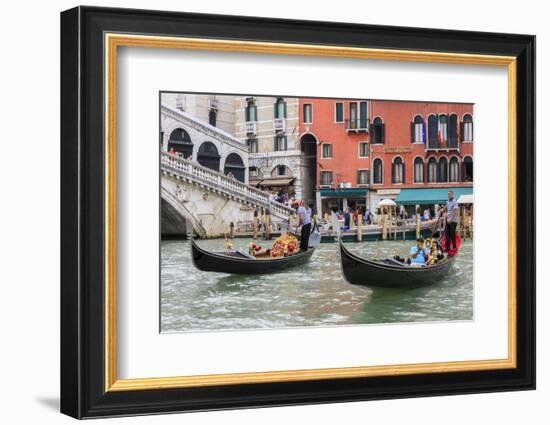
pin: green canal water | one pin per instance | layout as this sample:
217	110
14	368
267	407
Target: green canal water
312	295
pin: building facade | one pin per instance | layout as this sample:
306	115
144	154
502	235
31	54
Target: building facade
373	150
269	126
216	110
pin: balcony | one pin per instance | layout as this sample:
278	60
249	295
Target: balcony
357	125
213	104
250	127
279	124
435	145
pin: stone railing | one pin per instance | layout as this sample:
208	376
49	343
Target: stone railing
218	182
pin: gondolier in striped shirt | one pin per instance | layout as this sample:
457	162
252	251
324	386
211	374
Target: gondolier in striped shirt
452	221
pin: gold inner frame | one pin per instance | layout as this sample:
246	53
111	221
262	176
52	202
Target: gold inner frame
113	41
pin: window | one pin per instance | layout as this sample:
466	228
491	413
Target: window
467	170
442	134
432	170
327	150
453	170
250	111
326	178
453	131
253	172
280	143
417	130
362	176
308	113
353	115
433	125
418	170
364	149
280	108
377	175
338	112
252	145
281	170
398	171
443	176
467	129
377	131
212	117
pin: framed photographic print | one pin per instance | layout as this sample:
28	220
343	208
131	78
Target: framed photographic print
261	212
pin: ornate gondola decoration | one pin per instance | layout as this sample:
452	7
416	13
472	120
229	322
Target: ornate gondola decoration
237	262
391	273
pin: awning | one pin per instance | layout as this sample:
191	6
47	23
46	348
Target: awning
276	182
430	196
343	193
466	199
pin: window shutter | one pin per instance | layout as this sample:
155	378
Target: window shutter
286	143
284	104
462	131
412	132
275	110
382	133
275	144
403	169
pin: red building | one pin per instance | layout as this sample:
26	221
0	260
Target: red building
412	152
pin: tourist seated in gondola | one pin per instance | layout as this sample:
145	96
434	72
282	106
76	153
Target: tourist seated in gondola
419	253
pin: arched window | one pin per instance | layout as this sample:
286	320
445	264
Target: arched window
377	171
433	125
212	115
418	170
279	171
418	134
180	142
443	175
280	108
467	169
432	170
442	135
250	113
453	131
454	170
208	156
398	171
234	167
377	131
467	129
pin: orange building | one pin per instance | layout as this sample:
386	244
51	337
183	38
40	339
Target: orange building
411	152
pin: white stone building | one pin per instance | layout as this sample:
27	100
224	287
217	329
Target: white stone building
270	128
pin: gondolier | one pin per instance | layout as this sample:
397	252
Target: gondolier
452	221
304	215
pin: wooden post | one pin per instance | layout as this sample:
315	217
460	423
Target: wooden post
359	229
231	230
417	224
384	223
267	225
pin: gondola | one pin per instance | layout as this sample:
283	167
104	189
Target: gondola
390	273
239	263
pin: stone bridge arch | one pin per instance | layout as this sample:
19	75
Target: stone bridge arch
173	209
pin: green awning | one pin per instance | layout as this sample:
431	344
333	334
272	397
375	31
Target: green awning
343	193
430	196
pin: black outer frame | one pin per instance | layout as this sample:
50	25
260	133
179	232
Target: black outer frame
82	212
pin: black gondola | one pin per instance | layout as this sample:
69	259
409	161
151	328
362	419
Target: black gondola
391	273
239	263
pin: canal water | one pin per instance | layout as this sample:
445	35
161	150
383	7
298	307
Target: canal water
312	295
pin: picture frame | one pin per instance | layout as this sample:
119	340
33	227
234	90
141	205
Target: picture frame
90	39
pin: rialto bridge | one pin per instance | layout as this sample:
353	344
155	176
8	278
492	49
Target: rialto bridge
204	182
